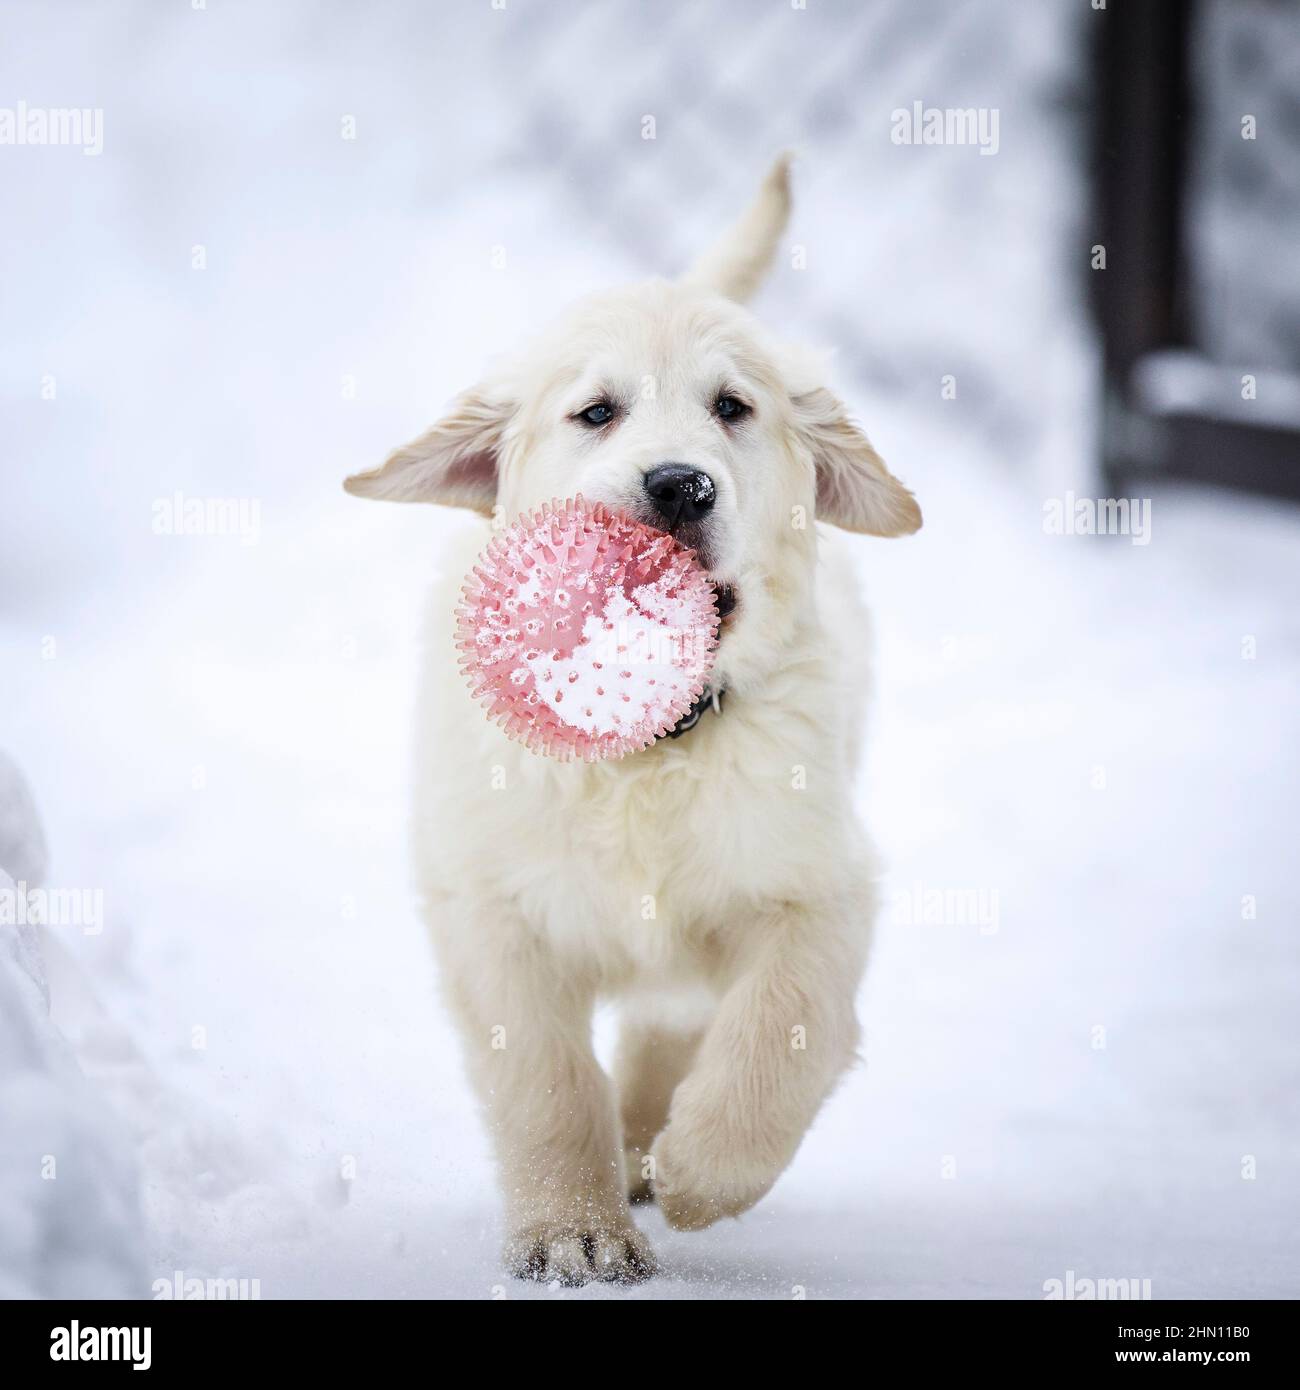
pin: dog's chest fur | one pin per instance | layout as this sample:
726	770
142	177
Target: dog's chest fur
646	866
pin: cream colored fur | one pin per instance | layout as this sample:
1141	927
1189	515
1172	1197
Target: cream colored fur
718	886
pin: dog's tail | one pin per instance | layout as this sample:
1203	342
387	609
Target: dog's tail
737	262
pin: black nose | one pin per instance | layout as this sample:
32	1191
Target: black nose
679	493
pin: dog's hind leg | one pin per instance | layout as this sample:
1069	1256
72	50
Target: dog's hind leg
651	1059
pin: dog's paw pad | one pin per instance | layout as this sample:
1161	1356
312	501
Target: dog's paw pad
573	1258
568	1261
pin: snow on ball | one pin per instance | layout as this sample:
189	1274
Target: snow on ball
585	634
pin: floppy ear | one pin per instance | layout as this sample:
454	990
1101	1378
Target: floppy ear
854	488
454	463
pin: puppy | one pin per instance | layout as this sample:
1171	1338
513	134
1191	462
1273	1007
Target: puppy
717	884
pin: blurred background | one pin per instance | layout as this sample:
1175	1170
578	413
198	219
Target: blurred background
306	228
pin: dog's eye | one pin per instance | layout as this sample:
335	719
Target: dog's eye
596	415
730	408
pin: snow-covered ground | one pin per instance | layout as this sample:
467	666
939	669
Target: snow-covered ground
1096	739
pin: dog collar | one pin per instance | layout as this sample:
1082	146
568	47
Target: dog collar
696	712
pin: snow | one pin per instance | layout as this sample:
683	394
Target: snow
69	1208
247	1073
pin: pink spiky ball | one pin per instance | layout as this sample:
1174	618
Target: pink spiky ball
585	634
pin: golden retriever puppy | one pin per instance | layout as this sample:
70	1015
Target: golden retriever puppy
717	884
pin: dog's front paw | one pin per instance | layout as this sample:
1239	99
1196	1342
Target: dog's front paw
699	1181
574	1254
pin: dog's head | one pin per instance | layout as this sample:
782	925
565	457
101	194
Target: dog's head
670	403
